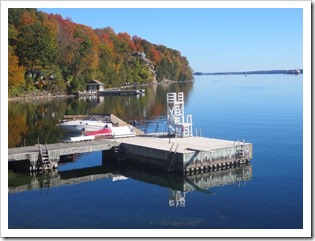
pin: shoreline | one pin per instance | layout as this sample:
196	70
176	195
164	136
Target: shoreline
48	95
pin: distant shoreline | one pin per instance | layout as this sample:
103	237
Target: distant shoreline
289	72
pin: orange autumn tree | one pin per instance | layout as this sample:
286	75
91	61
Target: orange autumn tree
16	72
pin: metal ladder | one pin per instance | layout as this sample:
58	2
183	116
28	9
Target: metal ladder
171	158
120	154
240	150
45	163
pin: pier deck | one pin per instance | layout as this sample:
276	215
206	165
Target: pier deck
188	155
185	145
22	153
18	155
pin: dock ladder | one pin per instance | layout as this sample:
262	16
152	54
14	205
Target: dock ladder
240	150
44	162
44	181
171	160
119	153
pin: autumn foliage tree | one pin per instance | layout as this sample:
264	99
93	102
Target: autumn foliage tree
49	49
16	72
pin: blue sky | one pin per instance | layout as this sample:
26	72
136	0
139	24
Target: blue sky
212	39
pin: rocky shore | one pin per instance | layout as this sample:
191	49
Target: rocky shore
36	96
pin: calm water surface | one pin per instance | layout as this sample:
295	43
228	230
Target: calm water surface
265	110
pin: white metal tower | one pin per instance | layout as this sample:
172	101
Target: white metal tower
175	115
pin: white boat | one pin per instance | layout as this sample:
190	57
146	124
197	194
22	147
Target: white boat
112	131
89	123
123	131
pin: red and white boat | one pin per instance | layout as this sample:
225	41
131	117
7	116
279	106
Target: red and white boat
112	131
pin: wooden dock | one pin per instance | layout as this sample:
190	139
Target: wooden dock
122	92
55	151
119	122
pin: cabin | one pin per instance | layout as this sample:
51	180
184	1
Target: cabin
94	86
139	54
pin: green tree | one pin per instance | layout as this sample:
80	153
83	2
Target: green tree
35	46
163	70
53	79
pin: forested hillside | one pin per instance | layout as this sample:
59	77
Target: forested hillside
50	53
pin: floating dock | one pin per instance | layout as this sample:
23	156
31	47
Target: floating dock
188	155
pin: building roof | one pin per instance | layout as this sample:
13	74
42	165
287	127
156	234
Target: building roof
95	82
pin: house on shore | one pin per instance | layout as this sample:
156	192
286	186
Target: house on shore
139	54
94	86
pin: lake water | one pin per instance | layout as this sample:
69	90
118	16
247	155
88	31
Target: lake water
265	110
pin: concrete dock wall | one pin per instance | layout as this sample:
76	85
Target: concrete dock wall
188	160
151	157
214	157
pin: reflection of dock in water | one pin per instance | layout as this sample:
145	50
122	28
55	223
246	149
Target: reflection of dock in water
199	182
202	182
54	179
178	185
219	178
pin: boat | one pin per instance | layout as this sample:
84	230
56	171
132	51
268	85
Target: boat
113	131
108	132
97	126
123	131
93	122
